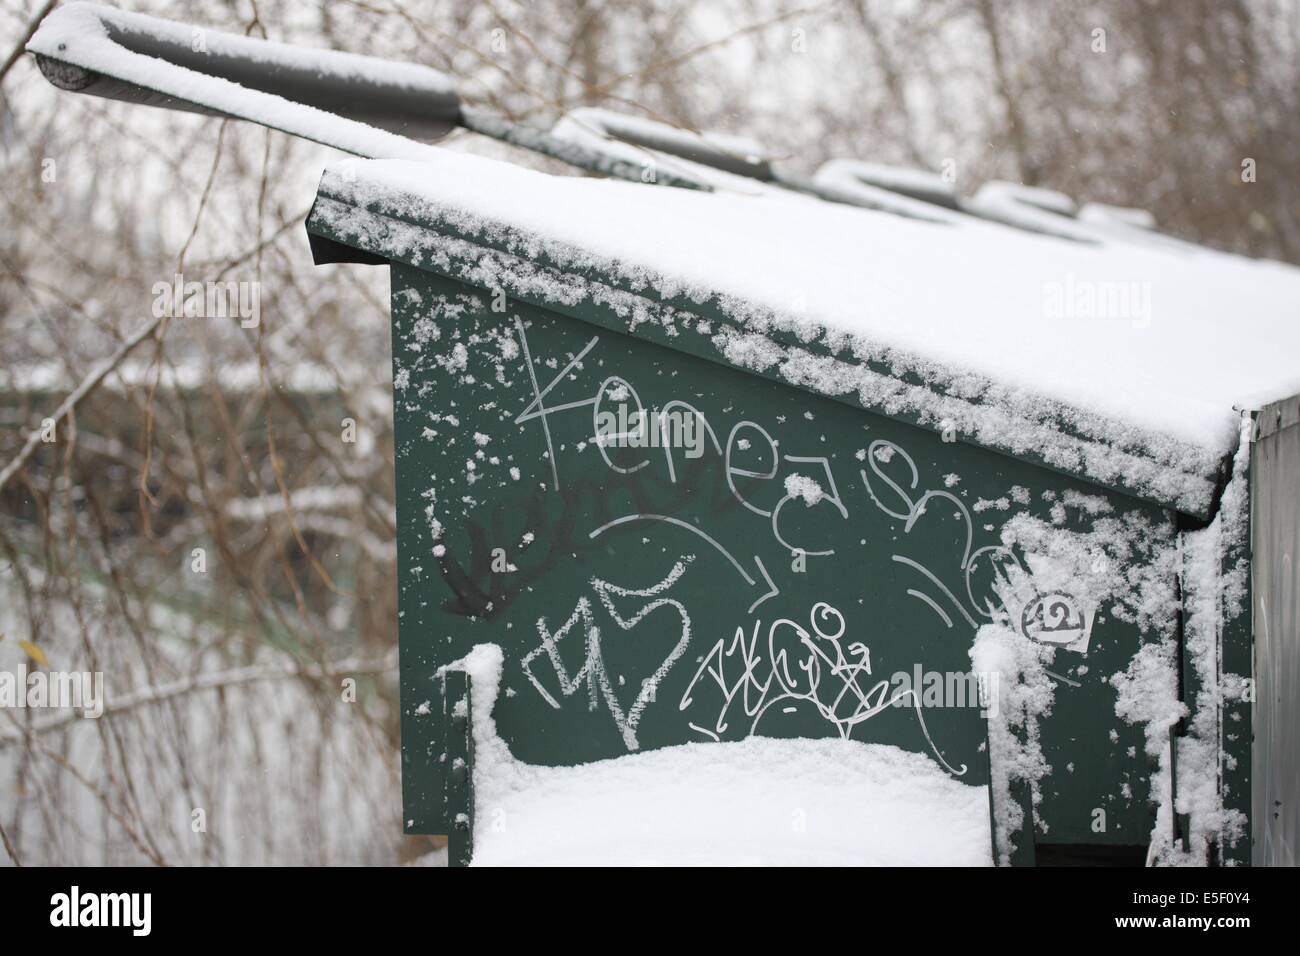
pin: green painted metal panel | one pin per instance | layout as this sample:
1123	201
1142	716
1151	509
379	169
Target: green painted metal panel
669	584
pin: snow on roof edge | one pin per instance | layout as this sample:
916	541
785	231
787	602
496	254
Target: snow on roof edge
986	282
1113	454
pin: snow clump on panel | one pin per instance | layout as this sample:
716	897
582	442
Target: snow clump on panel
759	801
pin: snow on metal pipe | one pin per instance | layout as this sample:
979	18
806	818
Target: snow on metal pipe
360	104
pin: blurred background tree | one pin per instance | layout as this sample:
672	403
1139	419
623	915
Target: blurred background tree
202	531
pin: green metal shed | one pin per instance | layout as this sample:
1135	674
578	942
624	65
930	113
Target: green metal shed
1095	558
771	458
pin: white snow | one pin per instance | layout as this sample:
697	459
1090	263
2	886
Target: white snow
845	171
1103	214
602	131
76	34
872	185
605	128
975	307
1215	576
1146	693
760	801
1014	668
801	486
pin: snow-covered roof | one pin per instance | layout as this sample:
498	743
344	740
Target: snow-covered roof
1120	360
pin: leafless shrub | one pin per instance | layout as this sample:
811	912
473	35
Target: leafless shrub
199	528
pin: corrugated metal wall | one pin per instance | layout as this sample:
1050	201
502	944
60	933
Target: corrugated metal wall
1275	544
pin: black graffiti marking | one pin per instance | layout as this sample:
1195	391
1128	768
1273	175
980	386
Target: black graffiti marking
1052	618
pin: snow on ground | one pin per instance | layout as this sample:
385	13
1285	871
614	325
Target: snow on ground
760	801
